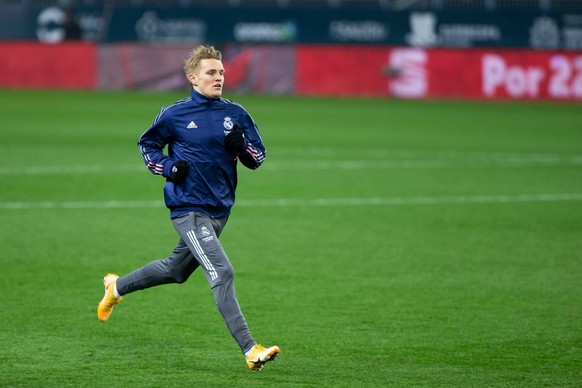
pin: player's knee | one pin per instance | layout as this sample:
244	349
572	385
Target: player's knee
227	273
179	278
173	273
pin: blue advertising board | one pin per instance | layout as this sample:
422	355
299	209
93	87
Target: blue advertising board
445	28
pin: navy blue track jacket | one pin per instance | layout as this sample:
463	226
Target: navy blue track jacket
194	129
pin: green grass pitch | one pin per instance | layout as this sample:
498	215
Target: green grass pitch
382	243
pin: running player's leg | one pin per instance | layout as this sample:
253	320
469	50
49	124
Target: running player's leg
201	234
175	269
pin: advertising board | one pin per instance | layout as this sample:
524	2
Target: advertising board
445	28
406	72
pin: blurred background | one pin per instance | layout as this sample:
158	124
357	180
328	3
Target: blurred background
476	49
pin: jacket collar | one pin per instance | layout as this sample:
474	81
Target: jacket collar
201	98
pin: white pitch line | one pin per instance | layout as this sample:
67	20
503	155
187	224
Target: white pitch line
65	170
403	201
311	202
80	205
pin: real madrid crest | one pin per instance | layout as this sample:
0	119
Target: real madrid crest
228	125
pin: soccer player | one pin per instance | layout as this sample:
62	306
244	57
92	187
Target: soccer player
205	136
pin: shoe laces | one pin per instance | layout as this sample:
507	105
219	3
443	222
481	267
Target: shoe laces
111	300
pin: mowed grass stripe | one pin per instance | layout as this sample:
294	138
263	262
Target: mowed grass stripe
288	202
411	162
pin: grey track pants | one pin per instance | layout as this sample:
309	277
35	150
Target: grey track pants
198	246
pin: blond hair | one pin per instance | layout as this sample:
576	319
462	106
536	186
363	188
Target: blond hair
192	63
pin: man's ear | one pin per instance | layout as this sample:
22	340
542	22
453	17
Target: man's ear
193	79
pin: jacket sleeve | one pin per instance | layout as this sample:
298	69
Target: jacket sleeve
151	146
254	152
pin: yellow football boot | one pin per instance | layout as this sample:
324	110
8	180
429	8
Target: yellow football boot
109	300
260	355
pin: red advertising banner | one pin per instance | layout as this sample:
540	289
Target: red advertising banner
37	65
342	70
439	73
336	70
531	75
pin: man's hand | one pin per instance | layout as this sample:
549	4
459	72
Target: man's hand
235	140
178	171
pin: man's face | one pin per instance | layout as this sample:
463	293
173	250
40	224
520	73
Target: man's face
209	79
